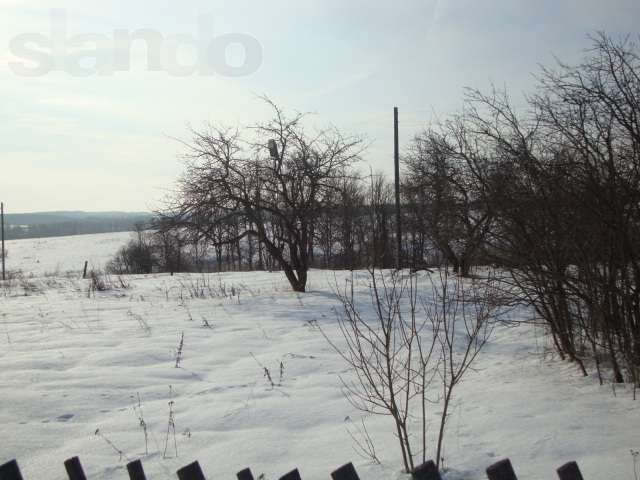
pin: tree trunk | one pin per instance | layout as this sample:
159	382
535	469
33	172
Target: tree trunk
297	284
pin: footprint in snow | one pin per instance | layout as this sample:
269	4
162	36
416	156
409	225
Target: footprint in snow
65	418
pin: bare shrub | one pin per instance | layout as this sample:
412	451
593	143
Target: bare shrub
406	351
99	282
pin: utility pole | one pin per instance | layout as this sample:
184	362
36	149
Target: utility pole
397	171
2	222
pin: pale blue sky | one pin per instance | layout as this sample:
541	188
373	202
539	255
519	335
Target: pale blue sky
107	142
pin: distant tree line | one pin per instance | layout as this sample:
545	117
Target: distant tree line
24	226
549	194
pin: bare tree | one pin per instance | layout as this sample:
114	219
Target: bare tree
379	206
563	185
444	195
269	182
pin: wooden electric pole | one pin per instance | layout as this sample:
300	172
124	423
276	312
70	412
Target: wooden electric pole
397	172
2	228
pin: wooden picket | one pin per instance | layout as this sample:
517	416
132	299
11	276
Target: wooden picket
570	471
136	472
191	472
502	470
345	472
292	475
245	474
10	471
426	471
74	469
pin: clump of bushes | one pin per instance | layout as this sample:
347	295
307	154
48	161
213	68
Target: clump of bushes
151	251
135	257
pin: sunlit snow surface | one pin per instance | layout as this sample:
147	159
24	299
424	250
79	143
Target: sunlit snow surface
58	255
74	364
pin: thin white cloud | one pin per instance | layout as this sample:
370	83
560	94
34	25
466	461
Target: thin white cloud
347	81
74	101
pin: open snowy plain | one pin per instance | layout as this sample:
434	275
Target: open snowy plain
79	372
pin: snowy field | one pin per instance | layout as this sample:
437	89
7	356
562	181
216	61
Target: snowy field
74	367
50	256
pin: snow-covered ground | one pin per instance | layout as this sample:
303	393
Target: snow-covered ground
58	255
74	366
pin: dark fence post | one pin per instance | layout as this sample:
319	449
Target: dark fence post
10	471
74	469
501	471
191	472
570	471
426	471
292	475
345	472
245	474
136	472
